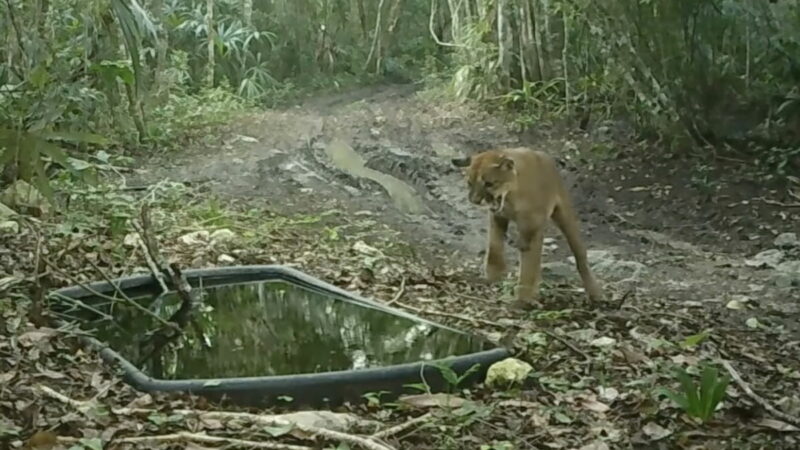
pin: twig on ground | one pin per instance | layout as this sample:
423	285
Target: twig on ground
101	295
148	257
185	436
364	442
399	292
391	431
83	305
761	401
569	345
777	203
452	316
127	299
624	298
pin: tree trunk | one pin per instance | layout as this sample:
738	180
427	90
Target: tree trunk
362	17
210	27
162	44
376	37
247	12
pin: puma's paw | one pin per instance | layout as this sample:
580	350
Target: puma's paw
494	272
594	293
524	305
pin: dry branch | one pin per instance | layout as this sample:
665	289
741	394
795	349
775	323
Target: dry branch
761	401
266	420
185	436
391	431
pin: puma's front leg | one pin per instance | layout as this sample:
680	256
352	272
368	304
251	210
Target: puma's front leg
530	269
495	264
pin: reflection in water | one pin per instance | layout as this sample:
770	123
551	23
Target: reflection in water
274	328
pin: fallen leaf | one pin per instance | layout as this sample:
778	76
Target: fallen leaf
596	445
655	431
35	336
53	375
608	394
632	356
594	405
735	304
432	400
777	425
604	341
752	323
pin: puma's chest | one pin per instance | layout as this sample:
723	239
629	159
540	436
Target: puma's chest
503	206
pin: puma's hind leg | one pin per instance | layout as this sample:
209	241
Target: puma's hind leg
567	221
495	264
530	269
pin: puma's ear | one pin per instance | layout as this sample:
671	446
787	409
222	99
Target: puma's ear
505	163
462	162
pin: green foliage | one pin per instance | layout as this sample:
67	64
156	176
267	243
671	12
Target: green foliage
135	71
451	377
699	401
30	152
702	71
183	116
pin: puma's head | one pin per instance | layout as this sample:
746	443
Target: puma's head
490	175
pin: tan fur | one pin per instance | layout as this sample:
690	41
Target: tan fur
524	186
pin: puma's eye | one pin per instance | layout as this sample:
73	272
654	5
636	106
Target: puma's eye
488	184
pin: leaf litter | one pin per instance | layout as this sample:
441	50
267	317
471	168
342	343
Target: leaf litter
596	369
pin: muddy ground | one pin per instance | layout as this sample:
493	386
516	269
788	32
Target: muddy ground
384	152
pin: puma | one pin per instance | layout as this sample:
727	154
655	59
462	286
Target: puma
524	186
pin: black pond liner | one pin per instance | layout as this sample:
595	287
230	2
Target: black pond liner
311	389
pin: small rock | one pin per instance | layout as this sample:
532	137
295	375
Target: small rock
606	264
620	269
787	240
603	341
608	394
9	227
222	235
767	258
558	269
194	238
752	323
787	274
225	259
508	371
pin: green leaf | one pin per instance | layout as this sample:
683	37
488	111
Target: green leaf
91	443
690	391
39	76
447	373
694	340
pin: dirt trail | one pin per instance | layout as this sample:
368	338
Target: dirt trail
385	152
